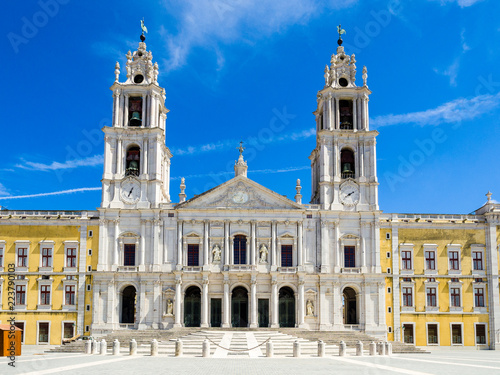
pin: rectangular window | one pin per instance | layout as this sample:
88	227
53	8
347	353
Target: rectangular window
477	260
70	295
349	257
193	255
88	287
87	307
129	254
91	233
481	334
1	257
430	260
45	295
71	257
22	257
407	296
240	250
455	297
20	325
406	260
432	333
87	328
68	330
479	297
46	257
286	255
90	252
43	333
20	294
456	333
431	297
454	260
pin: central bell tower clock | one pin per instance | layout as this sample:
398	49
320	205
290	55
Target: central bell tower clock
136	160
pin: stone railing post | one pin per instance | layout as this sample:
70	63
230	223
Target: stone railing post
133	347
269	349
154	347
206	348
116	347
342	348
373	348
321	348
359	349
104	347
296	348
178	348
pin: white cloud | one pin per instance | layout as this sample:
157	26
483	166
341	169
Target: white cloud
70	191
3	190
460	3
231	173
206	23
457	110
451	71
91	161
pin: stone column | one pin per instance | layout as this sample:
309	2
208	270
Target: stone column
96	303
338	319
178	301
337	114
179	244
142	249
125	111
205	243
274	303
156	244
145	157
103	239
325	247
300	255
157	304
253	303
204	303
354	114
273	243
329	122
143	114
301	303
142	306
115	244
324	319
252	243
119	159
120	111
226	323
336	250
226	243
361	159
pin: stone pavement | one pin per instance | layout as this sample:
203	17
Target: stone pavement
439	362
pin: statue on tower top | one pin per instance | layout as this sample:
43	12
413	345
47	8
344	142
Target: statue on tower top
341	31
144	30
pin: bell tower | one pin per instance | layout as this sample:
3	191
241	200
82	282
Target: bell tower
136	160
344	169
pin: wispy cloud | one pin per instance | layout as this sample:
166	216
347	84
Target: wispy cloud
460	3
457	110
451	71
70	191
230	143
3	190
91	161
206	23
258	171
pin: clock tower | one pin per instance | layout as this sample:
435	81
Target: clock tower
344	168
136	160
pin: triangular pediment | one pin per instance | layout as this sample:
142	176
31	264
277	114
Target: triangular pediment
240	193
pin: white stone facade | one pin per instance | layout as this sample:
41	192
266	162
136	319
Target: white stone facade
239	254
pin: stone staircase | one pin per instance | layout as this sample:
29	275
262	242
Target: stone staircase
237	340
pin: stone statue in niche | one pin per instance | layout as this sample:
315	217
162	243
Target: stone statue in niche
216	254
309	308
170	307
263	252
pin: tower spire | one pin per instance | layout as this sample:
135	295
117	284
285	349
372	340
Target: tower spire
240	167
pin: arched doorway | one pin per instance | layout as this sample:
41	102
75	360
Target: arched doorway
239	307
349	304
192	307
286	307
128	305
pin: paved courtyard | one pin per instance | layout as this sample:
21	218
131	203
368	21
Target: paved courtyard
440	361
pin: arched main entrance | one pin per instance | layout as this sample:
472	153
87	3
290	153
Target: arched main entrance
192	307
349	304
239	307
286	307
128	305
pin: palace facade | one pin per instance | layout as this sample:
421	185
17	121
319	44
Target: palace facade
241	255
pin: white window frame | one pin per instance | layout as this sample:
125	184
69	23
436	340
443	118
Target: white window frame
408	284
38	332
25	283
286	239
428	285
46	245
427	334
481	249
67	282
70	245
22	244
23	331
485	331
455	284
461	331
480	309
406	247
62	329
2	258
45	282
412	324
431	247
457	248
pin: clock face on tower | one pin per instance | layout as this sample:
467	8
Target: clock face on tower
349	194
130	191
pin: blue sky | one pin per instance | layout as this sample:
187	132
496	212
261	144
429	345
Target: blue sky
244	70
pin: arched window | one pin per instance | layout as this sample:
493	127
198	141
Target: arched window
133	161
128	305
347	163
135	111
240	250
349	302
